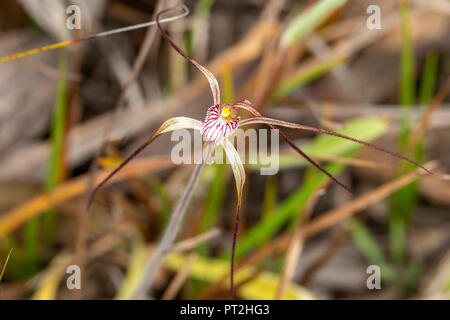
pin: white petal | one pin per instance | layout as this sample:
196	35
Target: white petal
178	123
213	84
237	166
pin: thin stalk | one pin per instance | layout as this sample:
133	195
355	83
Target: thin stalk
169	235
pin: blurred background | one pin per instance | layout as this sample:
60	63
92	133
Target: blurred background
374	70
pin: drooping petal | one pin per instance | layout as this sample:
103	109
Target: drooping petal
172	124
237	166
214	85
248	106
275	122
217	128
178	123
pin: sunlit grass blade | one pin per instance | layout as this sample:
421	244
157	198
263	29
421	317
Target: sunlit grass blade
48	286
135	269
5	264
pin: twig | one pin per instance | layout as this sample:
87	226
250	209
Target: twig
179	279
192	243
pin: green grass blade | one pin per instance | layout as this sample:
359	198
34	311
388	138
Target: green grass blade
309	74
270	196
304	23
57	135
370	249
429	77
403	201
203	7
5	264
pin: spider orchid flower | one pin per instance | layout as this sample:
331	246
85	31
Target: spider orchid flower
220	122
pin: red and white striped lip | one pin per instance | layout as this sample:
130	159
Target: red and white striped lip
216	128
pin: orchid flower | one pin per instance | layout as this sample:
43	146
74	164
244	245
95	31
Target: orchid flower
221	121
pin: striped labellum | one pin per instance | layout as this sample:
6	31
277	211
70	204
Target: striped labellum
220	123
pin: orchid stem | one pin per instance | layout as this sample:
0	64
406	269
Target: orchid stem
170	234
